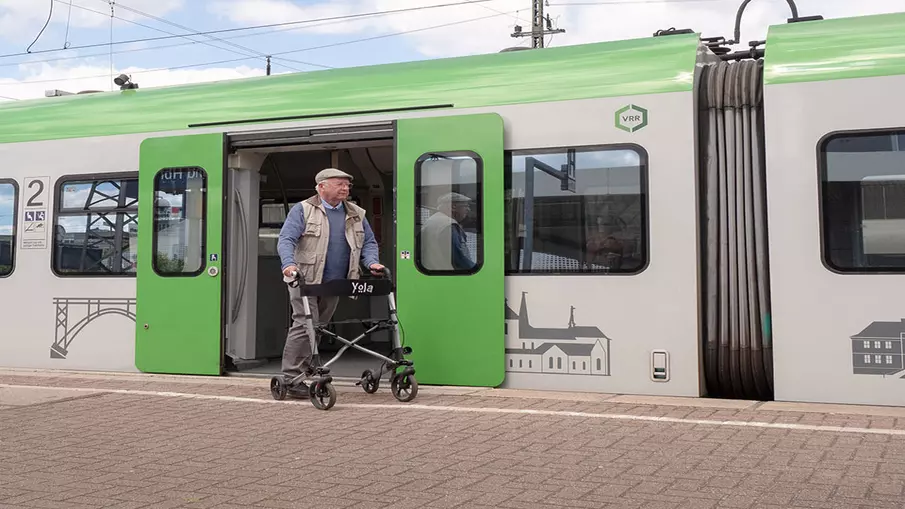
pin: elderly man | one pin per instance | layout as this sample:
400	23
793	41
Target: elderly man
443	241
325	237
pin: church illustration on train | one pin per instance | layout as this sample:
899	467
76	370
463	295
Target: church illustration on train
572	350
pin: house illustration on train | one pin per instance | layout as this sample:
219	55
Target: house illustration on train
877	350
571	350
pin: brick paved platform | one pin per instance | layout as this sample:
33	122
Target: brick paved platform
93	440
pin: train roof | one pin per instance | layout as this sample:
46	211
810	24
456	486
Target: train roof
832	49
617	68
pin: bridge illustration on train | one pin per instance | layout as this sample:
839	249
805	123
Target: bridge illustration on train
93	308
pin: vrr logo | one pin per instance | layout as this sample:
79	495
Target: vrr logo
631	118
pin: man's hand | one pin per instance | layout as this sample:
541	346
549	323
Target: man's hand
289	270
376	269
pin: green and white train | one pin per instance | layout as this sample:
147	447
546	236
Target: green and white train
650	216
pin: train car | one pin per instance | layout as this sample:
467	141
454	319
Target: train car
649	216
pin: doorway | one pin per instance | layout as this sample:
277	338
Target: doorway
268	175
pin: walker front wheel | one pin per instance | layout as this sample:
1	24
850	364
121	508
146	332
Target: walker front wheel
404	387
322	395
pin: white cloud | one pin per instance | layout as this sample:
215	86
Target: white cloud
23	19
75	78
609	20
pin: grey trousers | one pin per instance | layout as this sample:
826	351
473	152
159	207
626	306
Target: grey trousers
297	352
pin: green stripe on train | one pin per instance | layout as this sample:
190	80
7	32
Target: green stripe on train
861	47
608	69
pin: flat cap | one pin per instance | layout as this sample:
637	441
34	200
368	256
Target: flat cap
330	173
453	197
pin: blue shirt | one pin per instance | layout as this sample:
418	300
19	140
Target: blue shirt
461	260
294	227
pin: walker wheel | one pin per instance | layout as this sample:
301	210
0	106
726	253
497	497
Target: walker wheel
278	388
322	395
404	387
369	382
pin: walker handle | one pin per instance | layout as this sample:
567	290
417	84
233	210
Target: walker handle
384	272
292	279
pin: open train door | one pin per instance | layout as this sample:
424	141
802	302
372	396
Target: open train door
178	309
449	206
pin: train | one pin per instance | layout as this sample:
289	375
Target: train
654	216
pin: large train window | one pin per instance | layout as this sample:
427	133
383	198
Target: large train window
576	210
180	214
448	213
95	225
862	199
9	196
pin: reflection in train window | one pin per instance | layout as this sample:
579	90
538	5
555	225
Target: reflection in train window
576	210
180	203
448	216
96	225
863	201
9	192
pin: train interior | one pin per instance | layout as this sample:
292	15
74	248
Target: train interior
260	312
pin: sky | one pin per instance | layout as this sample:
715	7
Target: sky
314	36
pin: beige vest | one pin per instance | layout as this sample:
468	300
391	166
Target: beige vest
311	250
436	249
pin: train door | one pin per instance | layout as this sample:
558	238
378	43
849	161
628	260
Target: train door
449	206
179	263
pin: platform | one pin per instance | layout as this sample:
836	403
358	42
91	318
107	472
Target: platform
99	440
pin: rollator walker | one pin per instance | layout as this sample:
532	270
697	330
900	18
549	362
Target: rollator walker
320	388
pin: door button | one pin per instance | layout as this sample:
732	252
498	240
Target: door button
659	360
213	271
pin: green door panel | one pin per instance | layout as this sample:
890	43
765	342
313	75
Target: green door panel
179	274
452	318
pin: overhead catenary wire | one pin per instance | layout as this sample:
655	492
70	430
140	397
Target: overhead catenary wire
192	30
179	44
66	43
47	22
311	48
513	14
311	23
255	27
149	27
394	34
176	45
245	50
314	24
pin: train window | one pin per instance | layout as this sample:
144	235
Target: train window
577	210
9	196
448	213
862	198
95	225
180	214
